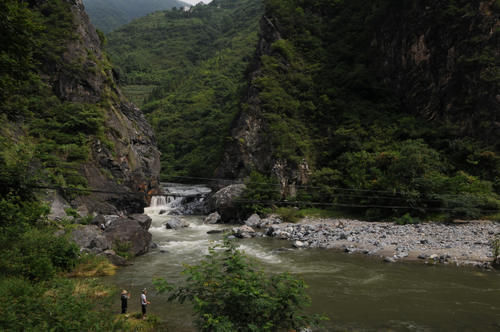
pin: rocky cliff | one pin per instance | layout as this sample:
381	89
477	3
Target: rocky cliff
122	165
443	59
128	163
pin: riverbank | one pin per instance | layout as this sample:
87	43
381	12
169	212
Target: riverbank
465	243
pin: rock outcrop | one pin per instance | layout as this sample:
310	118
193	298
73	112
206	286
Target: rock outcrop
444	71
128	234
123	171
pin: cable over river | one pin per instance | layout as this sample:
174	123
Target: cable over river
357	292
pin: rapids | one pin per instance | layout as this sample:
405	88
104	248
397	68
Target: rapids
357	292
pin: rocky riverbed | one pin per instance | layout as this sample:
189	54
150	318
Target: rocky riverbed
466	243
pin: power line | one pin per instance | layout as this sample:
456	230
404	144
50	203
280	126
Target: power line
324	187
395	207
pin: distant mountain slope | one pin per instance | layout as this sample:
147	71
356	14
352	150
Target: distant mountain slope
190	68
108	15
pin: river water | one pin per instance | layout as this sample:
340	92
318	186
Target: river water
357	293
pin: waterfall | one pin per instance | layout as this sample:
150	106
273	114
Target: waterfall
178	199
159	201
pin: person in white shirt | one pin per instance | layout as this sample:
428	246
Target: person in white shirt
144	303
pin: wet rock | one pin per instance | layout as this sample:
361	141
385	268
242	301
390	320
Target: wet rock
434	257
176	223
153	245
253	221
423	256
389	260
244	232
212	218
162	212
299	244
215	231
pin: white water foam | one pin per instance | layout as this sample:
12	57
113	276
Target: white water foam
260	253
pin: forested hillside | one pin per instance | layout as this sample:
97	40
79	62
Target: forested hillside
107	15
390	107
187	70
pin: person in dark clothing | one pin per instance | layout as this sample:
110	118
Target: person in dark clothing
125	296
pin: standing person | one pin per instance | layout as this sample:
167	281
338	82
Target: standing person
125	296
144	303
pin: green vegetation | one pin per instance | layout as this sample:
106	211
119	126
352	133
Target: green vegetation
111	14
34	295
58	133
230	294
190	69
323	101
43	141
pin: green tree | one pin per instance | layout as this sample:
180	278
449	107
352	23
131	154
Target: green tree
230	294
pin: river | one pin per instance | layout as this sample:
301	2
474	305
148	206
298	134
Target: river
358	293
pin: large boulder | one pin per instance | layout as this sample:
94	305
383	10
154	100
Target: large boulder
176	223
143	220
253	221
225	203
91	239
128	232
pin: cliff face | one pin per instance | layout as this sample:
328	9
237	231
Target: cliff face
124	169
132	162
435	61
443	61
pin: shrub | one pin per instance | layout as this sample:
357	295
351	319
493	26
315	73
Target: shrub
230	294
407	219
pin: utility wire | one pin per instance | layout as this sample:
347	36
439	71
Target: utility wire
394	193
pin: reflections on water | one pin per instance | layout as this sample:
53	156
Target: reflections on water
356	292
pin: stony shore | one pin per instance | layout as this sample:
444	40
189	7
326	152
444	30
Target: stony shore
464	243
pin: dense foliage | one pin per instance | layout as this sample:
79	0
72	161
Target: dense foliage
110	14
324	101
43	140
58	132
187	69
230	294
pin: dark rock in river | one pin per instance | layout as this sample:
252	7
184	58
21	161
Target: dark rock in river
244	232
224	202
